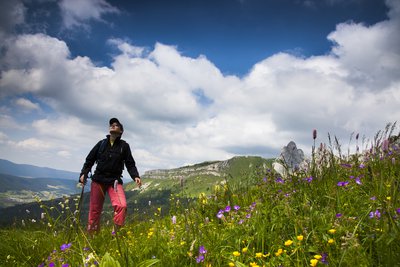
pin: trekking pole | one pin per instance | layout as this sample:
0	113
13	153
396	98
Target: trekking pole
77	213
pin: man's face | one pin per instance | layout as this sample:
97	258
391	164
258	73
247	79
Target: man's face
115	128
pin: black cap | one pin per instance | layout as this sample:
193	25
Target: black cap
115	120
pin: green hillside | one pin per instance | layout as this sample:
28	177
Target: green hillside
344	211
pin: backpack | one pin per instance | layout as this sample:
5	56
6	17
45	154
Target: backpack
103	147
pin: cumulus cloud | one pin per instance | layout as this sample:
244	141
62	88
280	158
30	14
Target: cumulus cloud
77	13
26	104
178	110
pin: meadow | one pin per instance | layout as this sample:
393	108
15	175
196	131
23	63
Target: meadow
341	209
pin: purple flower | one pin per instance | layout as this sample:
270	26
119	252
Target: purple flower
358	181
342	183
52	264
65	246
346	165
199	258
376	214
398	210
220	214
362	166
338	215
373	198
227	208
65	265
202	250
236	207
280	180
308	179
324	258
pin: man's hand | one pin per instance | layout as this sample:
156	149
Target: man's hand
82	179
138	181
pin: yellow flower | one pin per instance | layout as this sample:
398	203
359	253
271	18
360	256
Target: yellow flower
183	243
332	231
236	253
279	252
253	264
288	242
388	198
331	241
244	250
313	262
231	264
300	237
318	257
259	255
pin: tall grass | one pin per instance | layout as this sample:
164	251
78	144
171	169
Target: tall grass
342	210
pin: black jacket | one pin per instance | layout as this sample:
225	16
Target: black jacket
110	161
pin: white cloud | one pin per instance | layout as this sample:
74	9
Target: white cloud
155	93
77	13
33	144
26	104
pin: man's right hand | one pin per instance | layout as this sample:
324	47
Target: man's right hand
82	179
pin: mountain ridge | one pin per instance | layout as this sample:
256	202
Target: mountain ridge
32	171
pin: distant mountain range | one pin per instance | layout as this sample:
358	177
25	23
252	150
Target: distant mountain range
17	194
31	171
22	183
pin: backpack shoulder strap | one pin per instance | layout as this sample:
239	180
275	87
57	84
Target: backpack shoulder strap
102	147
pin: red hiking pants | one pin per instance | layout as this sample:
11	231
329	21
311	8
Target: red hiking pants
97	197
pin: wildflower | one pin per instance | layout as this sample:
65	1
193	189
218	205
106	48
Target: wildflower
398	210
324	258
288	242
279	252
253	264
313	262
346	165
318	257
388	198
244	250
385	145
231	264
183	243
200	258
236	253
236	207
173	219
342	183
65	246
332	231
300	237
358	181
65	265
227	208
220	214
279	180
373	198
259	255
375	214
202	250
331	241
52	264
338	215
362	166
308	179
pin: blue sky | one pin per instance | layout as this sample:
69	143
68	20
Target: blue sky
193	80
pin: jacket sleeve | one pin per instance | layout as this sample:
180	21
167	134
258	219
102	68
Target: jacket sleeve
130	163
90	160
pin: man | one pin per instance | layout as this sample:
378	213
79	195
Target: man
110	154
